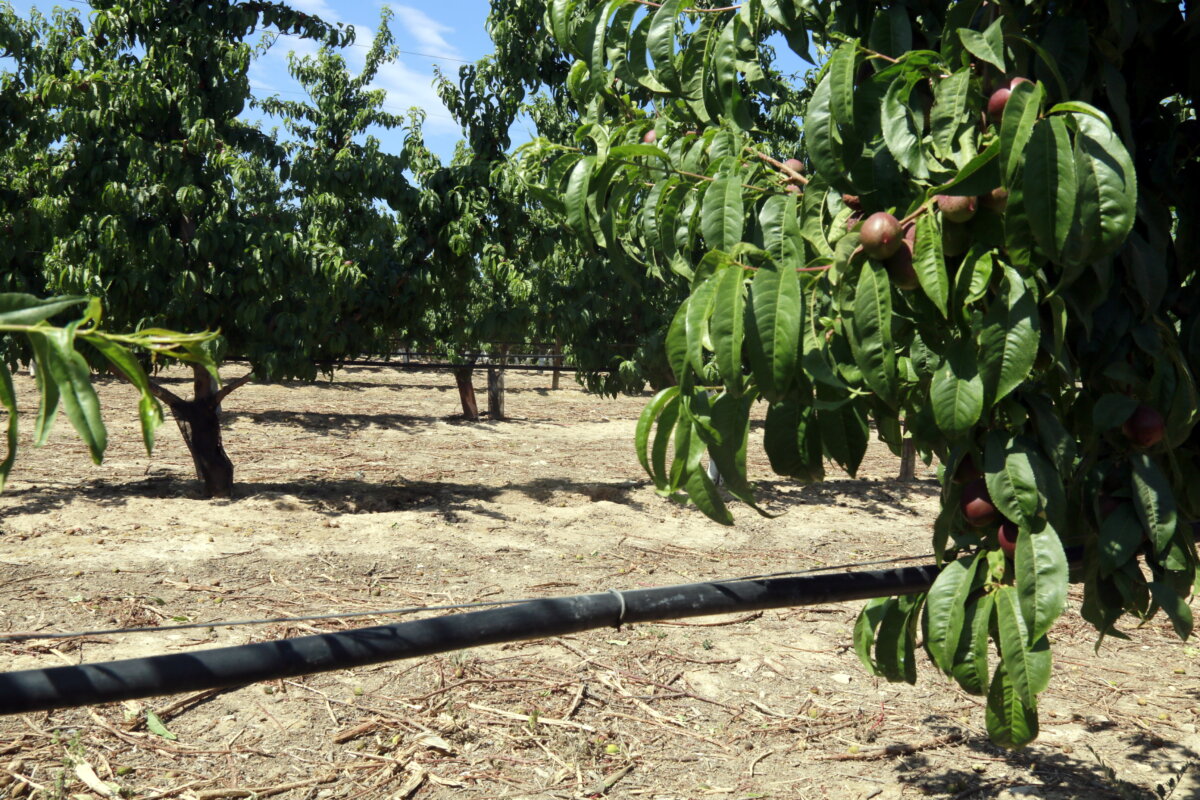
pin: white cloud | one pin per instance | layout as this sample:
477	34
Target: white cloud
319	7
407	87
427	31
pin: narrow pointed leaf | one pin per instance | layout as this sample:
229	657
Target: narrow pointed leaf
1050	184
728	326
1041	578
777	315
870	331
1010	723
945	610
1027	665
1008	341
930	264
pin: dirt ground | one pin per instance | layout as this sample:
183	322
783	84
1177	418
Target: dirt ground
369	493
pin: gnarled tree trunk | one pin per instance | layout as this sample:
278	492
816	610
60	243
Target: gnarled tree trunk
199	420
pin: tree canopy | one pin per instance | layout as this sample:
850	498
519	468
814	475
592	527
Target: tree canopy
980	240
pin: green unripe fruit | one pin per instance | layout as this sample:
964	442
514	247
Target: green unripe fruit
881	235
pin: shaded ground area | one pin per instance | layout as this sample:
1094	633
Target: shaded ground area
369	493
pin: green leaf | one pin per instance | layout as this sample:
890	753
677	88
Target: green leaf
639	149
1112	409
8	399
845	432
576	197
956	394
699	312
1176	607
1008	341
1016	126
1107	203
1040	567
864	632
971	659
841	83
1011	481
870	331
70	374
48	400
1121	534
987	46
792	441
728	326
155	726
704	494
895	642
677	342
930	264
1154	500
945	610
651	414
1056	441
149	411
1050	185
949	108
901	133
724	213
661	43
776	317
1027	664
25	309
1010	723
978	176
821	136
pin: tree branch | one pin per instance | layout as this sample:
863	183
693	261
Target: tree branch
160	392
228	388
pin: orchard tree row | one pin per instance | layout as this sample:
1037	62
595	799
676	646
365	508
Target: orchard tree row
982	237
128	172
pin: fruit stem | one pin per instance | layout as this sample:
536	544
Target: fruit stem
921	209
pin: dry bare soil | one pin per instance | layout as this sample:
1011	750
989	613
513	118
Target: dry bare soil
368	493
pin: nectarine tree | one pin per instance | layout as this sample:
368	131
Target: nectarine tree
1045	155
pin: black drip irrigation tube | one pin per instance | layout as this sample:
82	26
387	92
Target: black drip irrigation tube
225	667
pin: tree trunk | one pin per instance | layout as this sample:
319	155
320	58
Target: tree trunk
199	420
495	390
908	461
557	361
466	393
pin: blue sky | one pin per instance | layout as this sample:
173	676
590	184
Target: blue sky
428	32
445	32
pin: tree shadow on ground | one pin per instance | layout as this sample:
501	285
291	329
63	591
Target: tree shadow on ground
878	498
348	423
325	496
1051	774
